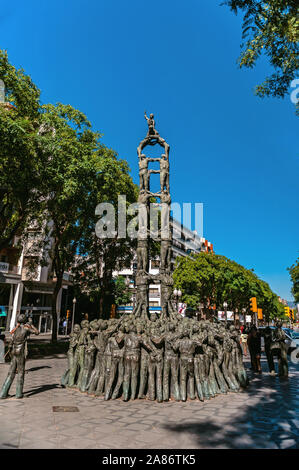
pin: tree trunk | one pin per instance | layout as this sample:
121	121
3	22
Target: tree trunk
101	305
54	311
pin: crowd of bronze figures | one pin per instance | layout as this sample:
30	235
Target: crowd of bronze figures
158	359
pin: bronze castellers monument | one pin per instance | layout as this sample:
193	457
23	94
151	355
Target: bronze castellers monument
140	356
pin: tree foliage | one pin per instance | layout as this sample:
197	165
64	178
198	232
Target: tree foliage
121	292
272	28
55	170
98	257
212	279
21	157
294	273
71	147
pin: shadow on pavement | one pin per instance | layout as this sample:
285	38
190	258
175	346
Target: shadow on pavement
47	356
32	369
43	388
272	422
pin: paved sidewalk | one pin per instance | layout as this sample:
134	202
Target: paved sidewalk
264	416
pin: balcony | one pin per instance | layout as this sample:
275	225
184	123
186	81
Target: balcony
7	268
9	273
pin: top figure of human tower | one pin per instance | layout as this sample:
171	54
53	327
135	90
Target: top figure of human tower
151	125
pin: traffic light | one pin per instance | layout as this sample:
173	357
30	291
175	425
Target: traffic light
253	304
292	314
68	312
260	313
287	311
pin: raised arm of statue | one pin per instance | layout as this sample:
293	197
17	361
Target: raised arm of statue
32	329
14	329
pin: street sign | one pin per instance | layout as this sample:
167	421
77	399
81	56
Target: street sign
221	315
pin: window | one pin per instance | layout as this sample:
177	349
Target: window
155	264
154	290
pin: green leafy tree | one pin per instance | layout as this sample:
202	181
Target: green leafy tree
54	171
212	279
100	257
121	292
294	273
21	157
271	28
72	149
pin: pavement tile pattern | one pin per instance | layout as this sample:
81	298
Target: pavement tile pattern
265	416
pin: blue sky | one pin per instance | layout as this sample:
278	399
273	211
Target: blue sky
230	150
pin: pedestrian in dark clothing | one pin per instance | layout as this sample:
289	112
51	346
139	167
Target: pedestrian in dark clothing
269	354
254	346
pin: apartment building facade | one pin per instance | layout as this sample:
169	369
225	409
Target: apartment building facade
24	289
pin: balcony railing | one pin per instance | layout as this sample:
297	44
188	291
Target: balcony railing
8	268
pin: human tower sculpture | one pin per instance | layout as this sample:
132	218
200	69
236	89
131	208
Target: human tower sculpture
145	357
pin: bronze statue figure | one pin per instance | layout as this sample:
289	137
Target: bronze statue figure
70	373
155	366
171	363
151	125
143	173
142	255
20	334
279	348
164	173
132	343
100	342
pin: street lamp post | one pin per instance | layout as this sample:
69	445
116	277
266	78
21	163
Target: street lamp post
73	316
225	312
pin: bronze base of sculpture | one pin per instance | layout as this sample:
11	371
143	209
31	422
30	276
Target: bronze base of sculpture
159	360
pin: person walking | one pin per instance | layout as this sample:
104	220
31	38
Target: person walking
64	326
244	336
268	351
254	345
